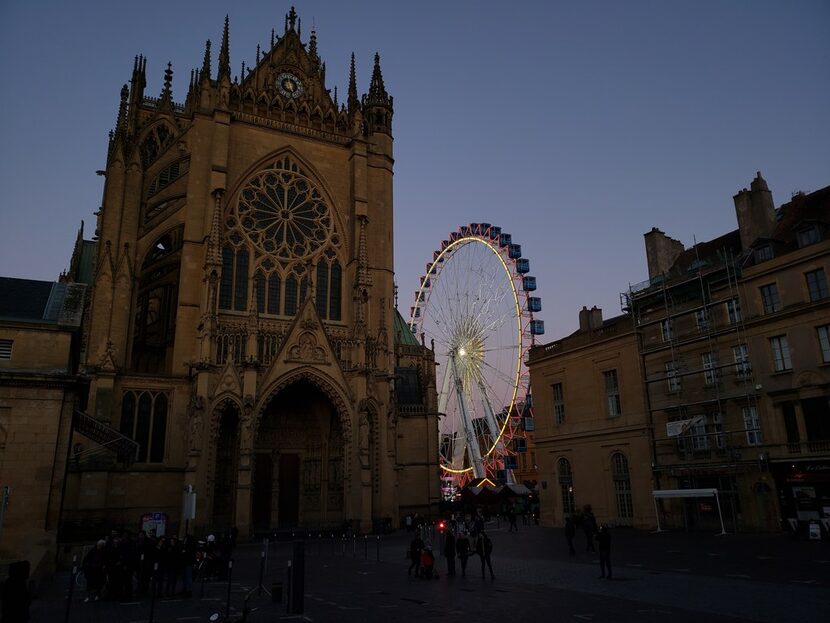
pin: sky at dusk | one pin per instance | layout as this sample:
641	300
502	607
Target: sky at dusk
574	126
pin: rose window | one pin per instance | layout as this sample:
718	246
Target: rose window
283	214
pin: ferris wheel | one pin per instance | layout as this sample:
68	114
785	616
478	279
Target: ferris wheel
475	306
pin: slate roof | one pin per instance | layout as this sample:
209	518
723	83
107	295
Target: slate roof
25	299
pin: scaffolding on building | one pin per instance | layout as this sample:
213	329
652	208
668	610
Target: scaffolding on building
683	318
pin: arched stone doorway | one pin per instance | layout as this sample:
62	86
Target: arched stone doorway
298	462
225	467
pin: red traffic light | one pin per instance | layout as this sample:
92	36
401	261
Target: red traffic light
441	525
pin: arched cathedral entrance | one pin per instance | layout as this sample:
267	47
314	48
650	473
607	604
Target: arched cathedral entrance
298	468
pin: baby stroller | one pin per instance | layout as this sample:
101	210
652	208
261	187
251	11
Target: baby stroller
428	564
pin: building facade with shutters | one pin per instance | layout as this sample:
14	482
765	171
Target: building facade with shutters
242	329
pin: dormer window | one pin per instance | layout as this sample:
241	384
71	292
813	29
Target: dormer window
764	253
807	236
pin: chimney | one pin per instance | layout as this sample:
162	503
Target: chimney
584	319
590	318
661	252
596	317
755	211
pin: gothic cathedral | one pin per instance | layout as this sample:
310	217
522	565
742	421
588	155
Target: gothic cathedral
241	334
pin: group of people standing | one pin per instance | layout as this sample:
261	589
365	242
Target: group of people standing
461	542
122	564
593	532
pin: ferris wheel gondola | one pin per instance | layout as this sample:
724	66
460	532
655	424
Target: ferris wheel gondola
476	304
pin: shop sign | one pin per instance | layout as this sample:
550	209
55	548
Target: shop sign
154	523
815	531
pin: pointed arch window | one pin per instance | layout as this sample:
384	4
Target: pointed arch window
566	486
274	294
335	291
279	226
144	420
233	289
321	298
291	296
154	319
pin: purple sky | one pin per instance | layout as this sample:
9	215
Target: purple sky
575	126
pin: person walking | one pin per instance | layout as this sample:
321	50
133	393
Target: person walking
604	542
484	548
570	533
93	567
511	517
415	548
449	552
589	525
462	548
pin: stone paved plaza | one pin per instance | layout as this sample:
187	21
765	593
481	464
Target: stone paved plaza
657	577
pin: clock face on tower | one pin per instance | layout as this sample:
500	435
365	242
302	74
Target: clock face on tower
289	85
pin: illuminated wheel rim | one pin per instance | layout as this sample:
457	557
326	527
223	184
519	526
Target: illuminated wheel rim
473	308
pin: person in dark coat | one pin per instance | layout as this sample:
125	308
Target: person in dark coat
604	542
589	525
161	559
449	552
462	548
570	533
175	562
415	548
188	547
15	593
94	571
484	547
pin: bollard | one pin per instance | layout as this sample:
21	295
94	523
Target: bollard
288	591
365	547
153	593
261	573
71	587
377	540
354	546
332	544
228	603
298	577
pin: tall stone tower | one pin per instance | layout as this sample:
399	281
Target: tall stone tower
242	327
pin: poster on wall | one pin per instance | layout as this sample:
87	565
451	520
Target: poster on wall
154	523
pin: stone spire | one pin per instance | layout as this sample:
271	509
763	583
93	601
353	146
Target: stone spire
139	80
312	45
205	73
290	19
121	123
377	105
377	92
353	102
224	54
167	91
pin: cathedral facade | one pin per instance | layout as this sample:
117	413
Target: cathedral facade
241	338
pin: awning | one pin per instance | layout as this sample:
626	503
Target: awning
687	493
